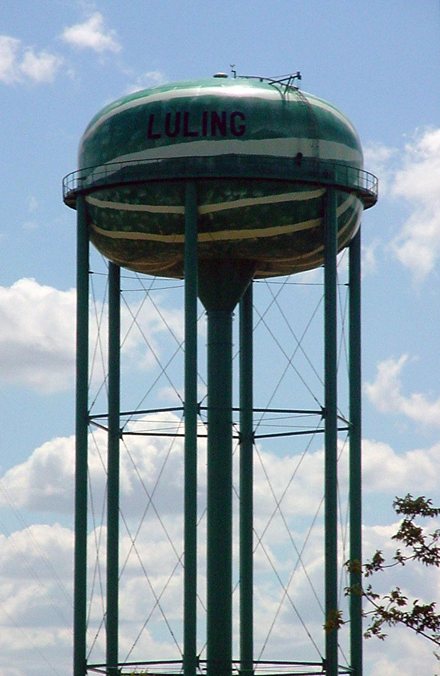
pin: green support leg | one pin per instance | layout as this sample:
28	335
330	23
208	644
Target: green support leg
112	616
190	410
81	452
331	435
355	474
246	485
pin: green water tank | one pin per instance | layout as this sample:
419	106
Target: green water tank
262	153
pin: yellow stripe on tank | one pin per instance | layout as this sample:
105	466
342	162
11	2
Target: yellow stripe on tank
177	238
207	208
248	233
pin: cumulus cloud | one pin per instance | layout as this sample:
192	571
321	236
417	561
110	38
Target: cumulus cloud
379	159
151	78
386	471
9	48
36	600
36	610
37	342
154	467
41	66
369	257
412	176
386	394
23	64
37	345
418	184
36	606
44	482
92	34
404	652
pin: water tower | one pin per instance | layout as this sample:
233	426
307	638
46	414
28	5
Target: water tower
219	182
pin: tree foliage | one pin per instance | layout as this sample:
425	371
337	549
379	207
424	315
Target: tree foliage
415	546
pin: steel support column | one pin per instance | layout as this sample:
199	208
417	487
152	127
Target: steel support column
246	485
112	614
355	461
81	432
190	412
331	434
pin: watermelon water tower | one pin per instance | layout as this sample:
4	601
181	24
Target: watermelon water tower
219	182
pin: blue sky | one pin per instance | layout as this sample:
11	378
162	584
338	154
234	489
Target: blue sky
60	62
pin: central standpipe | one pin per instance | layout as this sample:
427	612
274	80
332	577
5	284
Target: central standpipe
221	285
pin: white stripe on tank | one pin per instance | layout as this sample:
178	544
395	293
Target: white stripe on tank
281	147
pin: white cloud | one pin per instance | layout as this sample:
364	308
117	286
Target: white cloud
386	394
37	341
403	651
36	607
92	34
369	257
145	319
37	345
154	467
21	64
36	600
50	546
44	481
412	176
9	48
41	66
151	78
386	471
418	183
379	160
